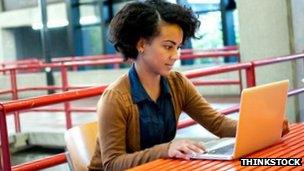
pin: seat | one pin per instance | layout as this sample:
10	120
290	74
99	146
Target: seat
80	143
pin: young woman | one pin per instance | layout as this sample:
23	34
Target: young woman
138	113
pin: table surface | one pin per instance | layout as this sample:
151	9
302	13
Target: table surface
291	146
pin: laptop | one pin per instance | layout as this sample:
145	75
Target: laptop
261	115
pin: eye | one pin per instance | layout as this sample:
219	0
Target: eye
168	47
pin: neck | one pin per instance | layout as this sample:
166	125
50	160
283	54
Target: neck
147	77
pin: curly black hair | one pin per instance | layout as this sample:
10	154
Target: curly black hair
141	20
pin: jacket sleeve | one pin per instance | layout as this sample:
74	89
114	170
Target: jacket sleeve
200	110
113	125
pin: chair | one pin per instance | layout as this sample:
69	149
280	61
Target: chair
80	144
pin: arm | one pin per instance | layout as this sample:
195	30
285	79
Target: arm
113	133
201	111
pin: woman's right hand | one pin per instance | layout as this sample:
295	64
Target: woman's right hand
184	148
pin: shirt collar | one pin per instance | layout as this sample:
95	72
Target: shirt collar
137	90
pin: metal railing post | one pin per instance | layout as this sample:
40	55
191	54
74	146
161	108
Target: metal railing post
240	74
3	67
65	87
6	161
15	97
250	76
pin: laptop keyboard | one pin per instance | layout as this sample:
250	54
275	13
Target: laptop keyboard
222	150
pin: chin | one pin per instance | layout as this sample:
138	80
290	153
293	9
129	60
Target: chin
165	73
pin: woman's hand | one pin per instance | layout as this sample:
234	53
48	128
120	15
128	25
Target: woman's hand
184	148
285	127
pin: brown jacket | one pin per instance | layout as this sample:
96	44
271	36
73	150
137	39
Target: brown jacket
119	142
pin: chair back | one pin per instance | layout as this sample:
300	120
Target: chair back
80	143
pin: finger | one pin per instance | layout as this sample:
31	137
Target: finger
200	145
196	149
181	155
186	149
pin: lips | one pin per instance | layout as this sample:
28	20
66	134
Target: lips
170	66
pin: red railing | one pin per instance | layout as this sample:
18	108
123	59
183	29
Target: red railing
67	107
63	68
42	163
20	63
107	56
73	95
31	61
61	158
97	62
225	48
19	105
250	74
13	106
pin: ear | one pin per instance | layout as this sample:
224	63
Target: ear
141	45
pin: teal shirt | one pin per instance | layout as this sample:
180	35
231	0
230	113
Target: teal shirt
157	120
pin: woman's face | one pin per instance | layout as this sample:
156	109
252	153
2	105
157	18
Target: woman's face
159	54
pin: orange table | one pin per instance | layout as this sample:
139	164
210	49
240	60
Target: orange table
292	146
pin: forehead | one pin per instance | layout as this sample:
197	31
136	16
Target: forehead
171	32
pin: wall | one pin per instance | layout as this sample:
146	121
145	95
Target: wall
297	13
25	18
266	30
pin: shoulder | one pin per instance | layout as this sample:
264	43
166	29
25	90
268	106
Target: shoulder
121	85
117	92
176	78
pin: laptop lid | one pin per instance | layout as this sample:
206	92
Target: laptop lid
262	111
261	115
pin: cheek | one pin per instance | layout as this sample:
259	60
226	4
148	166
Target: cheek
162	52
157	53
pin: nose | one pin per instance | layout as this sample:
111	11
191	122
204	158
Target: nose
176	54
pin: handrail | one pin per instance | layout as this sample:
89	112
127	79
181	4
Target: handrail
64	79
225	48
22	104
274	60
5	154
22	61
114	60
69	95
56	98
189	122
43	88
14	90
19	63
216	70
226	68
42	163
277	59
105	56
294	92
210	54
80	58
52	99
224	51
61	158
